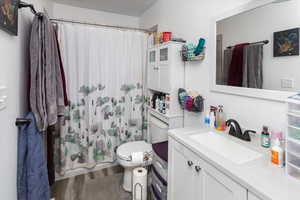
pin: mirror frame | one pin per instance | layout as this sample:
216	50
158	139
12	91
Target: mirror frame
272	95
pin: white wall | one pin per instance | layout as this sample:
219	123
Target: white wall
14	64
259	24
62	11
190	20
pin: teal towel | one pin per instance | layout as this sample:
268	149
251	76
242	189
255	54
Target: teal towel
200	47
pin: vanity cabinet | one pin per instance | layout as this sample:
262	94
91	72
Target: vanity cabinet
185	175
165	67
219	186
192	178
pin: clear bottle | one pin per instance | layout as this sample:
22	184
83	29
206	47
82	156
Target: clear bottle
207	118
212	119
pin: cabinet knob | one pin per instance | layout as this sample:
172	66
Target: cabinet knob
197	168
190	163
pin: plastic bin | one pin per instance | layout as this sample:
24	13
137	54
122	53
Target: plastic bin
159	186
294	131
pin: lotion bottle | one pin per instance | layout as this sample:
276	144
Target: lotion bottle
277	154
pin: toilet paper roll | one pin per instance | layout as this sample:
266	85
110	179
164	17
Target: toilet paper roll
137	157
139	184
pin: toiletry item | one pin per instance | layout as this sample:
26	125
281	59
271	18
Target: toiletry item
160	105
168	100
220	119
156	38
277	135
163	105
278	157
157	101
265	137
154	99
212	119
161	38
207	118
151	101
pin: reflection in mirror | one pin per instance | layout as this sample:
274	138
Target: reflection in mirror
260	48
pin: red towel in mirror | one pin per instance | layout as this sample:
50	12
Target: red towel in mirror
235	76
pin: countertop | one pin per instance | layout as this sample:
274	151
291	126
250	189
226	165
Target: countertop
260	176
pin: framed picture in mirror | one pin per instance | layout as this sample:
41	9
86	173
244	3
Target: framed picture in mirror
9	16
286	43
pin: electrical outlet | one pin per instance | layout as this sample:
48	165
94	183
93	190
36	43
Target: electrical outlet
3	97
287	83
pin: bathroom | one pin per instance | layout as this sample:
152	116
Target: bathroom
190	20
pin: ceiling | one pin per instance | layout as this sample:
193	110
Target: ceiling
124	7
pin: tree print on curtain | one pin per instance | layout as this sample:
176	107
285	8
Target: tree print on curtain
113	121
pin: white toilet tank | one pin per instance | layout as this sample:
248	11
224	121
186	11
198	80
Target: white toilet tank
158	130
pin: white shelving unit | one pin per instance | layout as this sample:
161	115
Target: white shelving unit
293	137
166	73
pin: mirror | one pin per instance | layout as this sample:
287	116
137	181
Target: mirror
259	48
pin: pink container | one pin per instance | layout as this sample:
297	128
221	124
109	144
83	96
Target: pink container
167	36
277	135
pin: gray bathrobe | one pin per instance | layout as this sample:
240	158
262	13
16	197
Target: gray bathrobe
46	86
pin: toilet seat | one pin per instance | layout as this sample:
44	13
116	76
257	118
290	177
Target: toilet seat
125	150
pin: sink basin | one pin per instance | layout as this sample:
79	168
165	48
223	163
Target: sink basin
226	148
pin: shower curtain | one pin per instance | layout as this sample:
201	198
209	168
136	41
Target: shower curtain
104	74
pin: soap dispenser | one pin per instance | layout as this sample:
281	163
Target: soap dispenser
220	119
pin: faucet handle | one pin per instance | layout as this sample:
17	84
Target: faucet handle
249	131
246	135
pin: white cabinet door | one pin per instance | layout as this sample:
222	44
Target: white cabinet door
251	196
164	68
185	174
164	78
153	70
191	178
164	55
198	185
218	186
182	178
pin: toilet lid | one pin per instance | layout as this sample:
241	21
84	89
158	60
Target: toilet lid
125	150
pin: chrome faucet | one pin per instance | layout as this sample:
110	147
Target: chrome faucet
236	131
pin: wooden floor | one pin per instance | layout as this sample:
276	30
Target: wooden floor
101	185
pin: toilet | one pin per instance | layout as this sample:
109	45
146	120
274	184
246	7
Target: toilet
124	153
158	133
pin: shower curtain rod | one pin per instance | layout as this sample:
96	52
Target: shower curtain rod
102	25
